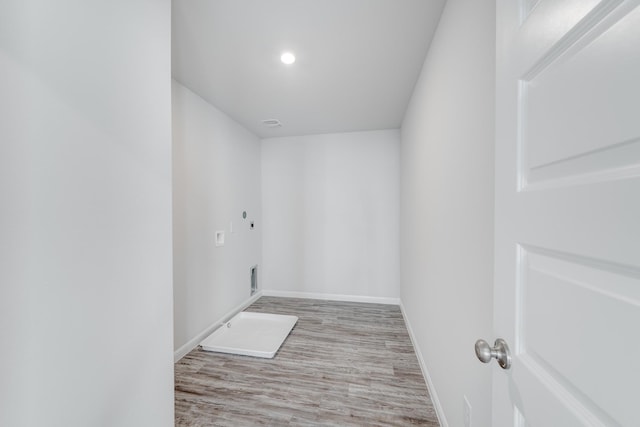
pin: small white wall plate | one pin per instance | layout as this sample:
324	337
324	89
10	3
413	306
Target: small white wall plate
219	238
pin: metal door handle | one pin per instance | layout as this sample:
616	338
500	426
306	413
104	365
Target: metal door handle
499	351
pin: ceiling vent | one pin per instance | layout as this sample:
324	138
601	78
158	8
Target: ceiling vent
272	123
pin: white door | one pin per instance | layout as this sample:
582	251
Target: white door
567	292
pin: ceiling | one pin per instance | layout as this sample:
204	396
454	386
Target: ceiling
357	61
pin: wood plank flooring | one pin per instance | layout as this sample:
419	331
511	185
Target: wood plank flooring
344	364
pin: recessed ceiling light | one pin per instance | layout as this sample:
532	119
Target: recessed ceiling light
288	58
272	123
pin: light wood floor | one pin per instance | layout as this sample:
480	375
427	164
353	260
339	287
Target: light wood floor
344	364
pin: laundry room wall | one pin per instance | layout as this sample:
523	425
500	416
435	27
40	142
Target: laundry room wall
331	215
447	209
216	177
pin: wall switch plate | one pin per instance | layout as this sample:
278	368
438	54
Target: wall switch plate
467	412
231	227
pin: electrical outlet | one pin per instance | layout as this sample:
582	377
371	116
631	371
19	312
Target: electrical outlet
467	412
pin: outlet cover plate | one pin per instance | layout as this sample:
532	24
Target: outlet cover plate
219	238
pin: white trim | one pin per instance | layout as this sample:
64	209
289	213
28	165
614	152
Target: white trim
425	373
193	343
331	297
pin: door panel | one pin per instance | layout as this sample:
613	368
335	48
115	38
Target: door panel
567	290
543	28
575	312
571	127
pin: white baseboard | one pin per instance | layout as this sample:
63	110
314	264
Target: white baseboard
425	373
331	297
193	343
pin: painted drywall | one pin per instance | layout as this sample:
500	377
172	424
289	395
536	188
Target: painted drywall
85	216
330	208
447	208
216	176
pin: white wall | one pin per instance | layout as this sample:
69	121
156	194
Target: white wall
331	210
85	213
447	207
216	176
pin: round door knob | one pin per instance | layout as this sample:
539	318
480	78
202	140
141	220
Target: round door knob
499	351
483	351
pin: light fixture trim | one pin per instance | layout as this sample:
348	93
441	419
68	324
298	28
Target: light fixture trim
287	58
272	123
